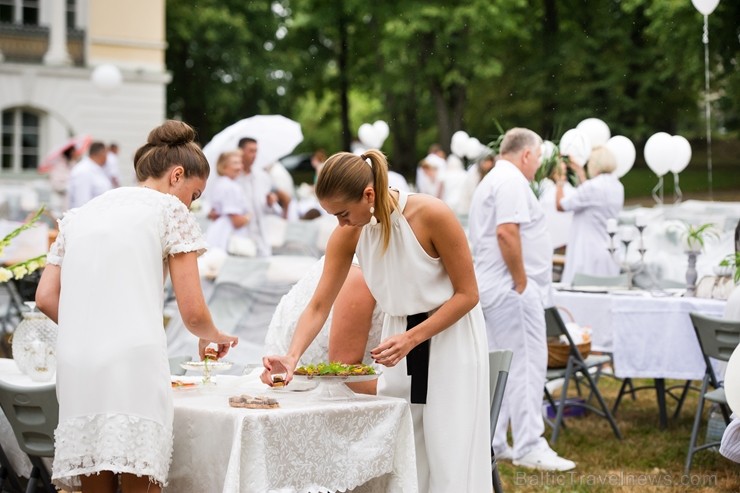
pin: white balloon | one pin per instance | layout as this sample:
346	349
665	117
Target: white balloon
706	7
473	148
381	131
548	150
596	130
681	154
106	77
459	142
658	153
366	134
624	152
576	144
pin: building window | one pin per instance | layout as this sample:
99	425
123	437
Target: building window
71	14
20	140
20	11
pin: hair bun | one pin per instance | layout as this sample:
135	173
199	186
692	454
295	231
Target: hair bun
173	133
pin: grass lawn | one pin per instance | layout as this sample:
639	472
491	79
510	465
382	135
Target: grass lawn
646	460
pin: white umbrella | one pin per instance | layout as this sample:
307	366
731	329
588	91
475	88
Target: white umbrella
276	137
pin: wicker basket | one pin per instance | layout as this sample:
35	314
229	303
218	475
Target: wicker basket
558	353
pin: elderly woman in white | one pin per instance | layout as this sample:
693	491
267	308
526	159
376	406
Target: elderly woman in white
594	202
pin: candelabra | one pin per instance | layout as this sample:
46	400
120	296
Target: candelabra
627	238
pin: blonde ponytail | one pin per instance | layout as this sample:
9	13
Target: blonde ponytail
346	175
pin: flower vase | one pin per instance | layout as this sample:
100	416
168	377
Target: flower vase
691	274
34	345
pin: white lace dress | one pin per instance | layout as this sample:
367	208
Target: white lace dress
285	318
113	378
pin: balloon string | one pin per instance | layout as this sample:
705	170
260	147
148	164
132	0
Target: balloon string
676	189
705	40
658	191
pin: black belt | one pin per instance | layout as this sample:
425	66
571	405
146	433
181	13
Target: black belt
417	363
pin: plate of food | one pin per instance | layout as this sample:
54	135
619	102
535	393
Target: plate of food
208	366
339	372
183	382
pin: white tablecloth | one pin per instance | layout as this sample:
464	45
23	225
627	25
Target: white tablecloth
649	336
306	445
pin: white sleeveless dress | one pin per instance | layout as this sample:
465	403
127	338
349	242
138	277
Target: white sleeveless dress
452	430
113	375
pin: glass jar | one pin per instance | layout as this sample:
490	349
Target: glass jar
34	345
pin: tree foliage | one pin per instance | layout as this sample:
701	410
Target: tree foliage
432	67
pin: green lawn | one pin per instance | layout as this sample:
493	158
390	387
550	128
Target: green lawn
646	460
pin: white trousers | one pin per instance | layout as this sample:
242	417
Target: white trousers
517	322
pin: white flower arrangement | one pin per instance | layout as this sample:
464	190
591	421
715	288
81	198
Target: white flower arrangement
21	269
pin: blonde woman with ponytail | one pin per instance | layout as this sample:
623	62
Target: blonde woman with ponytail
415	258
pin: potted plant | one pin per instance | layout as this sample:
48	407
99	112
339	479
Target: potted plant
731	262
695	236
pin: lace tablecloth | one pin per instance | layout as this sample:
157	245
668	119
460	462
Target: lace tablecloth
307	445
650	337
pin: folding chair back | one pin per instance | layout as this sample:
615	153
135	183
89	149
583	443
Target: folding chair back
580	279
718	338
33	413
499	363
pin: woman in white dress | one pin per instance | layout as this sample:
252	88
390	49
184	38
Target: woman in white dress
416	261
350	332
228	202
103	285
593	202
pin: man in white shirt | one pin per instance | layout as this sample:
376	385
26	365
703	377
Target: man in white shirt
512	252
260	198
88	178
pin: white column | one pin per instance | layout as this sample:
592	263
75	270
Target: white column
58	54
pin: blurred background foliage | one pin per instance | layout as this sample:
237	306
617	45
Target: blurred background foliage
431	67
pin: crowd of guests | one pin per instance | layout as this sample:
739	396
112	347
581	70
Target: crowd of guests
401	285
76	178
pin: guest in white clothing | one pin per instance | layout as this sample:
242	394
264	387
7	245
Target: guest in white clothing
88	178
415	259
430	175
111	165
594	202
104	286
473	177
261	200
512	251
229	202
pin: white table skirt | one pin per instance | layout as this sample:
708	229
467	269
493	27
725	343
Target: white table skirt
650	337
306	445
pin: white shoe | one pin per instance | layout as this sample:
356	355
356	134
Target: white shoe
545	460
505	454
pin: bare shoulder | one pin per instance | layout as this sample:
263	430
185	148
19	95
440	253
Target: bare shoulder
427	208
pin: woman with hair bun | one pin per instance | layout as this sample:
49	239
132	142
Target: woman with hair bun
415	258
103	284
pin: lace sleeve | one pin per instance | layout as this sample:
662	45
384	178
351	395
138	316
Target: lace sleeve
56	251
181	230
